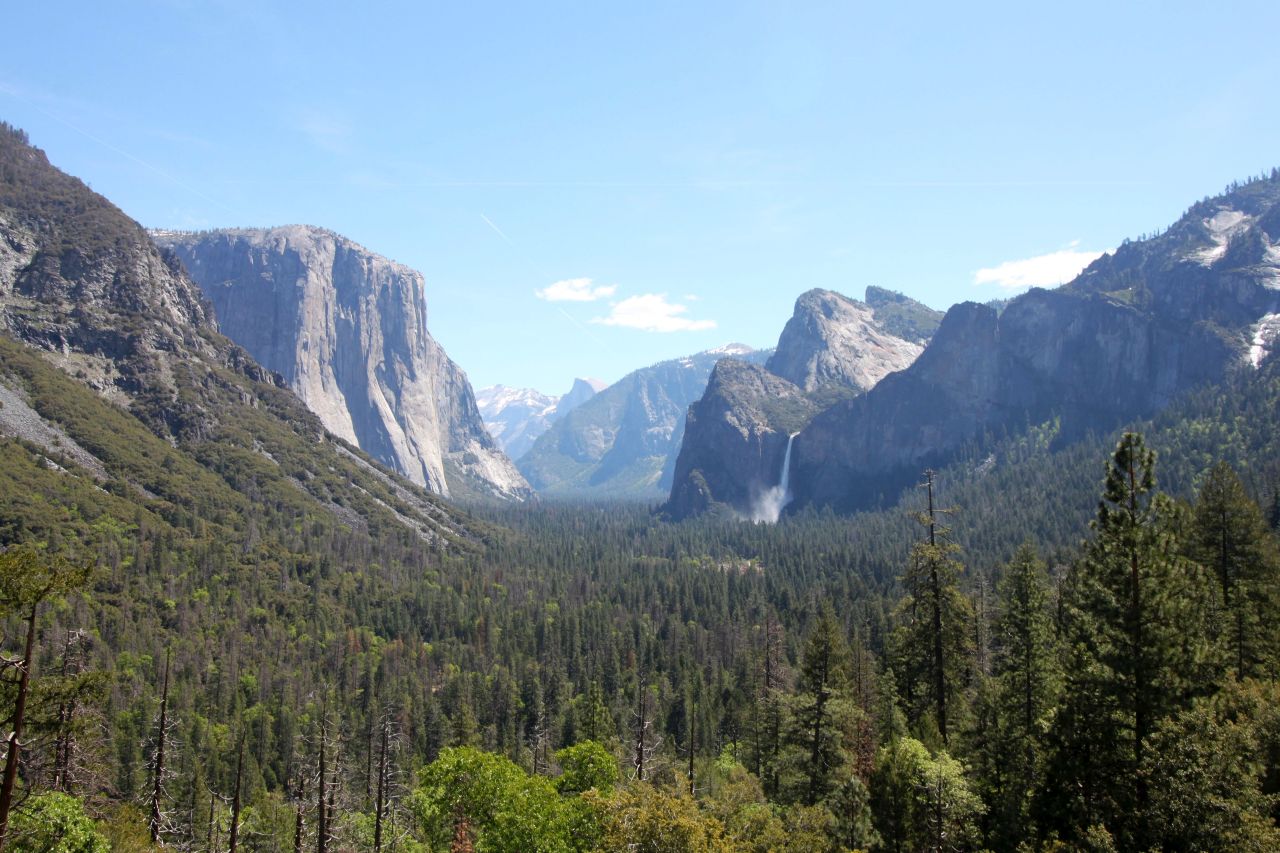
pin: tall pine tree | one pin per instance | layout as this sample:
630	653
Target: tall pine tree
935	630
1134	613
1019	700
1229	537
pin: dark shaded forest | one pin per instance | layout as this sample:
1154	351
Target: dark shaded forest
1076	649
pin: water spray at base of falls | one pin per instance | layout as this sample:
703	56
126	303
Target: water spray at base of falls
767	508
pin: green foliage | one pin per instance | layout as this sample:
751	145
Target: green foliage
488	799
821	715
932	646
584	766
29	578
55	823
923	801
646	819
1018	705
1206	771
1229	537
1137	648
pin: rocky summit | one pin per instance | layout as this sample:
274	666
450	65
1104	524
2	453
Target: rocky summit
347	329
832	339
1137	328
737	435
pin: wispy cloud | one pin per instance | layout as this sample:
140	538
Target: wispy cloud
1046	270
576	290
651	312
326	131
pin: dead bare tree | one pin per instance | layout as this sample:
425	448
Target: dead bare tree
235	798
27	579
646	741
159	821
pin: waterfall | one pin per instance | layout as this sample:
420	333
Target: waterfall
768	507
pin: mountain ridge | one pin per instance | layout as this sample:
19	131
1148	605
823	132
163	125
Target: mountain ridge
517	416
1136	328
830	349
622	443
87	300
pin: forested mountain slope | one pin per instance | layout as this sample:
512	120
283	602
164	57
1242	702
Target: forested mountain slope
332	656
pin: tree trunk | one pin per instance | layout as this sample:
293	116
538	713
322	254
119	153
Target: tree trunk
15	737
157	783
235	799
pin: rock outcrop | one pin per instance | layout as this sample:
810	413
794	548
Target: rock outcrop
833	348
151	403
1135	329
622	443
834	340
347	329
747	412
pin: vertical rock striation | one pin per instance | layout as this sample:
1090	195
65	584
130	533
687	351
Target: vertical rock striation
347	329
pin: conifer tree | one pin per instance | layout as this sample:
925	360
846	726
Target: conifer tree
935	633
824	677
1020	698
1135	630
1230	538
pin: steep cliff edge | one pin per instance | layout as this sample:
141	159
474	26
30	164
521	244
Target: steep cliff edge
833	348
832	339
347	329
748	413
117	376
622	443
1135	329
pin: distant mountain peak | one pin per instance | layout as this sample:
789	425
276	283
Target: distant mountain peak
833	339
731	349
517	416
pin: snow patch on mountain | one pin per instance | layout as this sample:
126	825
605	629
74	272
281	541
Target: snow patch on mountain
515	417
1220	228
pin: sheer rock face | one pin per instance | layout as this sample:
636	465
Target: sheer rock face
622	443
832	339
831	349
747	416
1136	328
347	329
83	286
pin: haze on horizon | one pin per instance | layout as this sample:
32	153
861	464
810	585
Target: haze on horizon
591	190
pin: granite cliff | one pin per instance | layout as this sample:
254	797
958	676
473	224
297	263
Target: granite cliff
1138	327
622	443
834	340
347	329
113	373
737	435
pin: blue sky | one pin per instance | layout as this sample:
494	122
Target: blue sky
589	188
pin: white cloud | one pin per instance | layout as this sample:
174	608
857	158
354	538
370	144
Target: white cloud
575	290
651	312
327	131
1041	271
